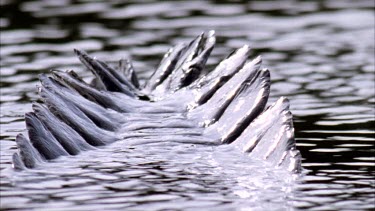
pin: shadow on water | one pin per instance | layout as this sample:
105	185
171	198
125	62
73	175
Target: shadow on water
321	56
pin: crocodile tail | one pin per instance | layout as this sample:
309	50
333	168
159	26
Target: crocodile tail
270	137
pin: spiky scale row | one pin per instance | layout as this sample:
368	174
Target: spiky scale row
175	104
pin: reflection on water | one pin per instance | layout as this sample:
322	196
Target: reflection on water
321	56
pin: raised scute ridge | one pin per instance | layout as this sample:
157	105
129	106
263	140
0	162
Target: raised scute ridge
177	104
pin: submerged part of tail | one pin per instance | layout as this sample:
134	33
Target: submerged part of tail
176	104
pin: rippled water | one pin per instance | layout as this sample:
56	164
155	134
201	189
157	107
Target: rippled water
321	56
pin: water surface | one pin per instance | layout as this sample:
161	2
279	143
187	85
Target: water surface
320	54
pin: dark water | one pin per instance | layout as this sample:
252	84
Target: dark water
321	56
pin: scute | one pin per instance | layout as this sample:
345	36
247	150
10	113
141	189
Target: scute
177	104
